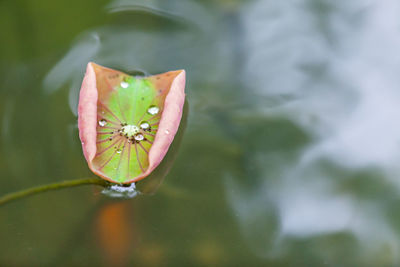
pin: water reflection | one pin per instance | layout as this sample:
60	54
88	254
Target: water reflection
131	47
290	153
336	66
115	230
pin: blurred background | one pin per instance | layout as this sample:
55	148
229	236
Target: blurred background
291	151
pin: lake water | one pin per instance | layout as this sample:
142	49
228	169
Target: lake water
291	152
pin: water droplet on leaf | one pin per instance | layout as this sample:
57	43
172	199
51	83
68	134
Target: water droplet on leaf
124	84
144	125
139	137
129	130
166	132
153	110
102	122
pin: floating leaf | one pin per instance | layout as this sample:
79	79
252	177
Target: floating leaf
126	124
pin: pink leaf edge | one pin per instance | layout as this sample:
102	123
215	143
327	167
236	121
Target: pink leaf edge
168	126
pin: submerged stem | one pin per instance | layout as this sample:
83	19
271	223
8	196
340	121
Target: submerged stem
48	187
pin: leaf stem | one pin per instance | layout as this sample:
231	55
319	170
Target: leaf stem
48	187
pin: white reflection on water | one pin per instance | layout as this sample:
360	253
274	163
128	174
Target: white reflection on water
128	47
61	75
343	70
368	63
188	11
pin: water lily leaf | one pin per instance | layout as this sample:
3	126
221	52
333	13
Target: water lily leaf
126	124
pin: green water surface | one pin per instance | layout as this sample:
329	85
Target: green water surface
291	154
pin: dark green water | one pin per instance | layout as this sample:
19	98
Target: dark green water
291	152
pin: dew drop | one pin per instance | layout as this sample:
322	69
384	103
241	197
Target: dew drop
153	110
144	125
119	150
166	131
139	137
102	122
124	84
129	130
